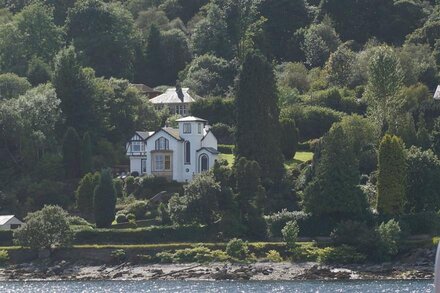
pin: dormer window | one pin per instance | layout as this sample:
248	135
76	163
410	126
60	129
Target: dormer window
186	127
162	144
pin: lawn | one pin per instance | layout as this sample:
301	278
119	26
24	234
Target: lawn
300	157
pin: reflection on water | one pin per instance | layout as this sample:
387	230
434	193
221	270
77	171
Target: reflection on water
218	286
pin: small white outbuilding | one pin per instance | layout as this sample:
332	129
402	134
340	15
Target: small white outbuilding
437	93
9	222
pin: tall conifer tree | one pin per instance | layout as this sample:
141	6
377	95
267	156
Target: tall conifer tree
257	114
72	154
104	200
334	192
154	57
86	154
391	180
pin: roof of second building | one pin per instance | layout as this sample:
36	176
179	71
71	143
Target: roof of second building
437	93
171	97
4	219
191	119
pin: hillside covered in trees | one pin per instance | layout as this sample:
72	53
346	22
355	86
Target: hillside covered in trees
351	81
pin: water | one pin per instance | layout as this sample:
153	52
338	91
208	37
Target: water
217	287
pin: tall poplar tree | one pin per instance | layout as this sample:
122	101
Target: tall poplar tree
391	180
72	154
257	114
104	200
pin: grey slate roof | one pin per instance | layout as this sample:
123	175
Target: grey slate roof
173	132
171	97
437	93
144	135
144	88
210	149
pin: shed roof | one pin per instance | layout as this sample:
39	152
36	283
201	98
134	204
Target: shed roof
4	219
209	149
171	97
437	93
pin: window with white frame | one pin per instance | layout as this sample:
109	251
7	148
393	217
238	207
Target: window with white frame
137	146
186	127
162	162
162	144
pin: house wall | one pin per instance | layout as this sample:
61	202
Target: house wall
210	141
195	138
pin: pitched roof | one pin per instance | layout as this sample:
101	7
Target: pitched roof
437	93
5	219
144	88
171	97
191	119
173	132
144	134
210	149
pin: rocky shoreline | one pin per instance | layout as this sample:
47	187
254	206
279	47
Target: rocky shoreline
215	271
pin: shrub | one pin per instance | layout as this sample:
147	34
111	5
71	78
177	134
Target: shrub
165	257
118	256
274	256
131	217
121	218
277	221
237	248
130	186
339	255
138	209
119	187
46	228
4	257
290	234
389	233
355	234
421	223
6	238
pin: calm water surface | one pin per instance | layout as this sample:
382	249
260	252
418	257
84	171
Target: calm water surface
219	286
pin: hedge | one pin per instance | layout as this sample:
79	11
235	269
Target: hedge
148	235
226	148
6	238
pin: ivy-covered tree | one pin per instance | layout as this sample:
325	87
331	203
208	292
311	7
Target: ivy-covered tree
334	192
251	197
72	154
86	154
391	179
257	133
104	200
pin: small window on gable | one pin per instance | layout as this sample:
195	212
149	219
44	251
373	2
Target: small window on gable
186	127
162	144
137	146
199	127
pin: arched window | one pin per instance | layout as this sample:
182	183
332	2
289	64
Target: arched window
187	153
204	163
162	144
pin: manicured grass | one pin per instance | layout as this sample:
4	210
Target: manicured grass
300	157
227	157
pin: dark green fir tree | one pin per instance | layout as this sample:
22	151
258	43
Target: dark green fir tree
72	154
104	200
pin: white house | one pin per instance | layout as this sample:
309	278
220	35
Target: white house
9	222
178	100
177	154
